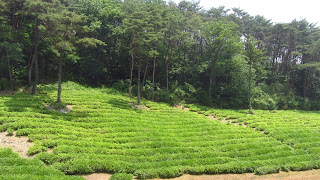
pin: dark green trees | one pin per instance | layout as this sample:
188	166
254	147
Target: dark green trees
223	42
162	51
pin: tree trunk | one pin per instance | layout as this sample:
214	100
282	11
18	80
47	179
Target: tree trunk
30	65
9	70
153	75
36	70
60	77
211	82
273	69
167	68
145	74
287	72
139	93
305	85
250	88
131	74
35	57
167	76
292	74
139	71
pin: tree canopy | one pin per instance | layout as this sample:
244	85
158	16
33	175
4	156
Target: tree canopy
162	51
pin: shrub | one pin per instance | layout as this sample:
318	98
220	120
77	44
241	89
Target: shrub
121	176
266	170
23	132
4	127
4	84
10	131
262	100
36	149
121	85
202	98
46	157
59	106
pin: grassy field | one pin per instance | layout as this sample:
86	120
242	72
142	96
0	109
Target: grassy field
103	133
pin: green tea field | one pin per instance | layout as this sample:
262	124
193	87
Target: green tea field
104	133
14	167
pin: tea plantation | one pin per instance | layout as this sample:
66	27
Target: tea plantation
13	167
103	133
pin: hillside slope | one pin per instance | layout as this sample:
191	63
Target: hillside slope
103	133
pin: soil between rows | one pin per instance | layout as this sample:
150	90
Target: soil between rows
301	175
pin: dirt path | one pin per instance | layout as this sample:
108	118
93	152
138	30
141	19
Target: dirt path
302	175
18	144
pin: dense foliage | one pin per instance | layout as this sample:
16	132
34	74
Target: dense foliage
162	51
103	133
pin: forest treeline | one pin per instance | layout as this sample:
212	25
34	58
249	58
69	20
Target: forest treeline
161	51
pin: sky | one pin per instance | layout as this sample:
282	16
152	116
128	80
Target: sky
279	11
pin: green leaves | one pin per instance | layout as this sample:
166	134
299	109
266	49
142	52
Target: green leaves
223	40
90	42
252	52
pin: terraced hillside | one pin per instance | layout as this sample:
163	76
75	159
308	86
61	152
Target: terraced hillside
103	133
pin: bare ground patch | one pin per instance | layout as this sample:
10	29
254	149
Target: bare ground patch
302	175
139	106
212	117
97	176
186	109
65	110
18	144
181	107
178	107
244	125
50	151
224	120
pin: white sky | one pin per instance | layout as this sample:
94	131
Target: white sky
279	11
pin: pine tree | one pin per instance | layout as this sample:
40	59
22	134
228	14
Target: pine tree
61	27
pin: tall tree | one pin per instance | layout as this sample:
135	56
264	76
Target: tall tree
61	27
11	48
223	42
157	11
37	10
173	32
136	25
253	55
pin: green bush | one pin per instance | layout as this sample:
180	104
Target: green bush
4	84
146	174
10	131
262	100
4	127
266	170
121	85
36	149
59	106
121	176
47	158
202	98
